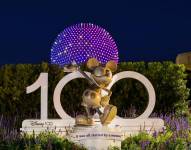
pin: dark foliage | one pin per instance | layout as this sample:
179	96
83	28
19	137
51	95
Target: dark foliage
168	79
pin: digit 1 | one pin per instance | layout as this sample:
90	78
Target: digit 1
41	82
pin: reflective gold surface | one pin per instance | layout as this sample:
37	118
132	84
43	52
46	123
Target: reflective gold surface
109	114
92	98
184	58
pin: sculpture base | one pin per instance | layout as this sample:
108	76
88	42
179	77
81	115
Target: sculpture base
96	137
58	126
129	127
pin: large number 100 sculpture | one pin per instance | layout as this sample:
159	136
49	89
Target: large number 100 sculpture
42	82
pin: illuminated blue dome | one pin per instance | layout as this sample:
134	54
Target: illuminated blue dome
81	42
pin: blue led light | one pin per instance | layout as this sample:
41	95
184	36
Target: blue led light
81	42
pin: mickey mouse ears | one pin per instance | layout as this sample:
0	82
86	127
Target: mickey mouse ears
112	65
93	62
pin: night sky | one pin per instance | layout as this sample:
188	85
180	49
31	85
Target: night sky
143	30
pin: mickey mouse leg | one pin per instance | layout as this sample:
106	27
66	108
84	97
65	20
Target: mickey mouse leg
110	111
99	111
84	120
88	112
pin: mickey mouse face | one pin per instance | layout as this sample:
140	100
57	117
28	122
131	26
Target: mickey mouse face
101	74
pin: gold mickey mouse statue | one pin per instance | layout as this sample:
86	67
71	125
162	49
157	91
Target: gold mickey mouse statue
92	98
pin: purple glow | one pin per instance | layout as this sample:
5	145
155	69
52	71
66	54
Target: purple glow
81	42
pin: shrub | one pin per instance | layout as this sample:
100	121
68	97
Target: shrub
168	79
164	141
176	136
44	141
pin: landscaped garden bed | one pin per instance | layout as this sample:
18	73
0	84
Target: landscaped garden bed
168	79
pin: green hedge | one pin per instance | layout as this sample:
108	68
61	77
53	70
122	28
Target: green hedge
143	141
44	141
168	79
164	141
189	83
